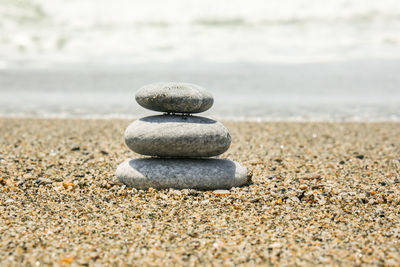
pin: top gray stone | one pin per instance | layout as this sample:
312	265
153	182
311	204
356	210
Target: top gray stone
173	97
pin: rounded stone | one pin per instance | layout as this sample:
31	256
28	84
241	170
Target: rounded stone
203	174
177	136
174	97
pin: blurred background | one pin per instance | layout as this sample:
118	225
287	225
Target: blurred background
262	60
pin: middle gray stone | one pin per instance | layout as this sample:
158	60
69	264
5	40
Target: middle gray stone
177	136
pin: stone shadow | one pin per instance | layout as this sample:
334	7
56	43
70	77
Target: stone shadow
177	119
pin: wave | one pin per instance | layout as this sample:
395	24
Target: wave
218	22
214	31
21	12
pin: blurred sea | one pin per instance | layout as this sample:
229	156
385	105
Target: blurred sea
262	60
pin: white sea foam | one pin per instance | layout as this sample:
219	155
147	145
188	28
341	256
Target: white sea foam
127	31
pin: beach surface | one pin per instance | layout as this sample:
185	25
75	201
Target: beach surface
322	193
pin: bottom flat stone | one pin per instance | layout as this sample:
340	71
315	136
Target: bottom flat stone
204	174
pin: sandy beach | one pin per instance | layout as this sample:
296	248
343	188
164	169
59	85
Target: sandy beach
322	193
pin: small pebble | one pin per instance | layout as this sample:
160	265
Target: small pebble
311	176
303	187
221	192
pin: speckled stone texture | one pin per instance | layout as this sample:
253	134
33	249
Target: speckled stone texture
174	97
177	136
205	174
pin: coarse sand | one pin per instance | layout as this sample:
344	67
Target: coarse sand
322	193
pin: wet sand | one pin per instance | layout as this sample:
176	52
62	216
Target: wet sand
322	193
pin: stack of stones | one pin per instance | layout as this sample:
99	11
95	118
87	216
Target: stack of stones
180	145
